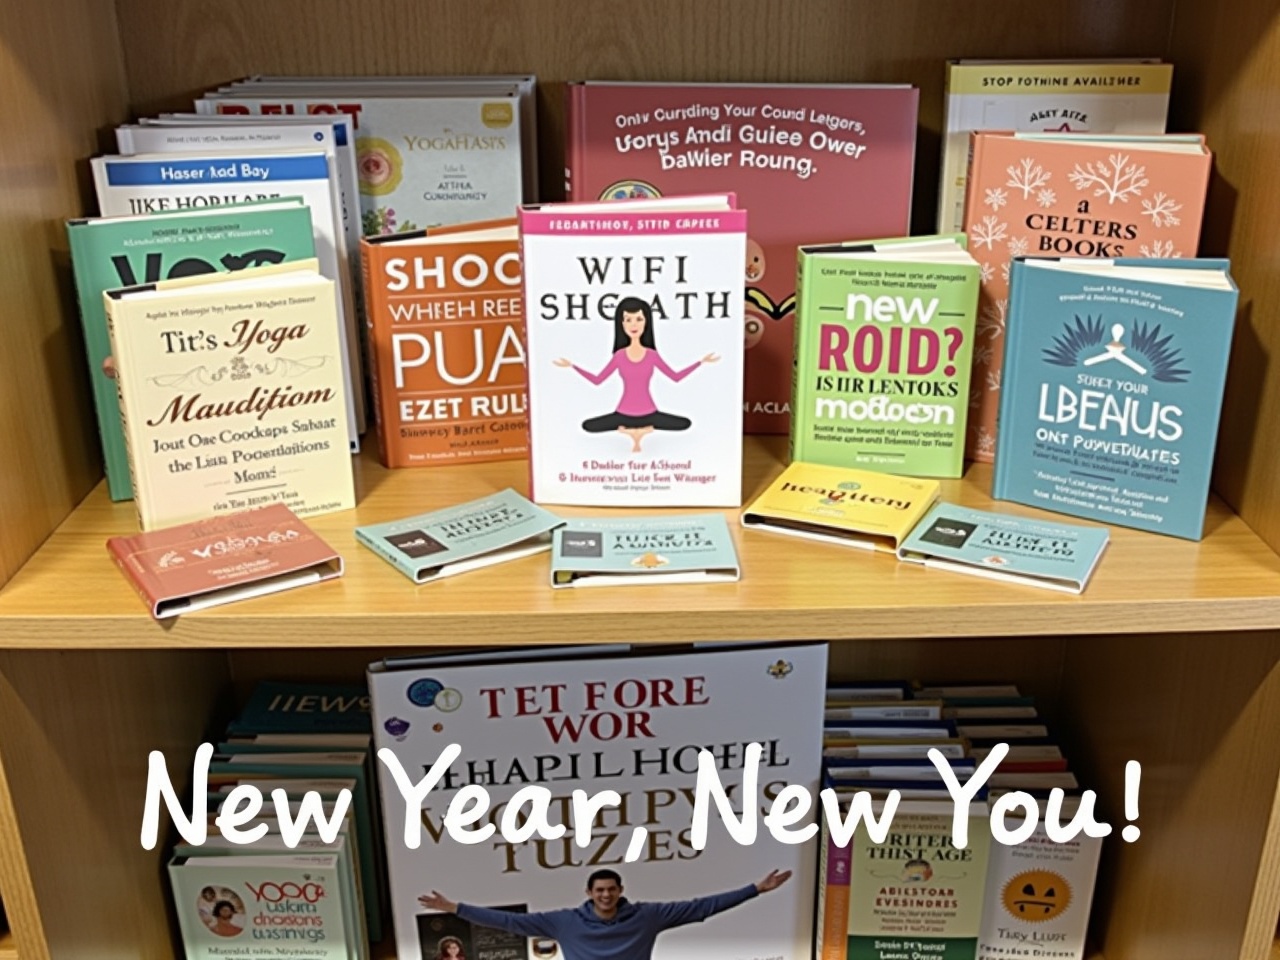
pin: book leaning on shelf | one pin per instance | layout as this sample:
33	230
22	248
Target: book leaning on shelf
232	392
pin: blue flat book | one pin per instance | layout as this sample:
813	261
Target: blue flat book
1113	379
594	551
494	529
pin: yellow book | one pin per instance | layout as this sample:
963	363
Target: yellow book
856	508
232	393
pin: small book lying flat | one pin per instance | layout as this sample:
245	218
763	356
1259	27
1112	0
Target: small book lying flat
232	557
494	529
592	552
1056	556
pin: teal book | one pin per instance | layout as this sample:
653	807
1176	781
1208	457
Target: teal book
493	529
279	707
1056	556
595	551
1113	378
112	252
884	342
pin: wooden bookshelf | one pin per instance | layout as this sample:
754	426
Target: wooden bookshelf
8	947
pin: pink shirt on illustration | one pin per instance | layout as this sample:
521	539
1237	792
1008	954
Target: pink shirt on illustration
636	400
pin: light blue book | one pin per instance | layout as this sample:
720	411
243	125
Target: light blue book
1113	379
471	535
593	551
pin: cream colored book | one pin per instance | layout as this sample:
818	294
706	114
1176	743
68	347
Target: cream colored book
232	393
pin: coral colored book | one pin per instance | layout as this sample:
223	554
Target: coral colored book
1077	195
446	343
814	163
234	557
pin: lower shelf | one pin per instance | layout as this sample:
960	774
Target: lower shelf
8	949
387	951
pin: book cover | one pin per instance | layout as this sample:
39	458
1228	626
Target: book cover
883	349
1056	556
112	252
223	559
635	352
147	183
1115	390
599	551
446	338
632	723
423	161
1099	96
1077	195
857	508
277	706
471	535
233	394
842	155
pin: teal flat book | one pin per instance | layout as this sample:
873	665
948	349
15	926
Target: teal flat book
597	551
884	342
1056	556
471	535
277	706
1113	379
112	252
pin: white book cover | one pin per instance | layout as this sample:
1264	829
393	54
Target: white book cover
634	724
422	161
150	182
634	314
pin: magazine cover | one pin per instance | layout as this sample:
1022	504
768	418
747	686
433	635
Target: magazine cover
634	724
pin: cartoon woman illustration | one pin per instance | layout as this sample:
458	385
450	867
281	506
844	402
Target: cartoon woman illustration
450	948
635	358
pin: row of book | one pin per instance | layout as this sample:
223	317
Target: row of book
633	721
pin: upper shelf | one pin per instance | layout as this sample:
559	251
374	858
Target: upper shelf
70	594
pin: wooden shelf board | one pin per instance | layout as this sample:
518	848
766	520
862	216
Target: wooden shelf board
8	948
70	595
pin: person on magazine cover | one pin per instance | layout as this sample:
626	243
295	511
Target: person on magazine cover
607	926
635	358
450	948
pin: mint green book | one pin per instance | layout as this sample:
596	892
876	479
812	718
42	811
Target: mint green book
112	252
884	343
493	529
595	551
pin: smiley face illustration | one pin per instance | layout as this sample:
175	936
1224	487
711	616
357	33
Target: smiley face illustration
1036	896
755	261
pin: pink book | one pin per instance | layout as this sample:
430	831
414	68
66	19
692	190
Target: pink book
1069	195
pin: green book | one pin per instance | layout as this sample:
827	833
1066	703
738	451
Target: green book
884	342
112	252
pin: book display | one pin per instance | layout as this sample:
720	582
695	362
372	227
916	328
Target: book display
1157	645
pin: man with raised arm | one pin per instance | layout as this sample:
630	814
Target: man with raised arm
607	926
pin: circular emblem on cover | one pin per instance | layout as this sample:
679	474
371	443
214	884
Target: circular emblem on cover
630	190
423	693
396	727
448	700
849	485
1037	895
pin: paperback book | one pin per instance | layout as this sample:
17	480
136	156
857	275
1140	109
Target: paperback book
997	546
479	533
884	343
277	706
597	551
635	352
1114	389
855	508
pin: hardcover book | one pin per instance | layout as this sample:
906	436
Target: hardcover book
1114	389
233	394
635	352
593	552
446	338
1056	556
856	508
1078	195
884	343
276	706
232	557
843	154
479	533
1043	96
112	252
633	723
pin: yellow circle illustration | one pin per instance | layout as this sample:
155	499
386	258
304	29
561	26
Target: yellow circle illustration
1037	895
378	164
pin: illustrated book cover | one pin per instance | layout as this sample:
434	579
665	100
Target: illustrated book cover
1114	389
997	546
814	163
605	551
635	351
884	343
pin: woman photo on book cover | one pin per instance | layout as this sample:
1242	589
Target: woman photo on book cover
450	948
635	358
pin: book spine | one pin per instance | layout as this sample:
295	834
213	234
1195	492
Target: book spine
139	494
372	313
524	299
799	422
575	125
1008	389
833	909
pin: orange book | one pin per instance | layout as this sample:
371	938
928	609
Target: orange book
1069	195
446	344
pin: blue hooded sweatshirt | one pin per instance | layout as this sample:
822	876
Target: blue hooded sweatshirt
630	935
